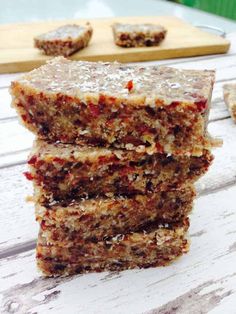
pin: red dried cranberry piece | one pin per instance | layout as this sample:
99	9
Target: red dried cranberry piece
103	159
30	100
201	105
173	105
58	160
28	175
159	148
112	100
124	37
129	85
95	111
32	160
126	170
43	225
102	99
143	128
24	117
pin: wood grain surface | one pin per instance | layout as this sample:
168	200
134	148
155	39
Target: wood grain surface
182	40
203	281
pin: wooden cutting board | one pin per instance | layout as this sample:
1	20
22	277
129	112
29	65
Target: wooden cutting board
17	53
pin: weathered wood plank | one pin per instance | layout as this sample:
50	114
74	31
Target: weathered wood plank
14	137
207	275
5	79
5	103
16	216
223	170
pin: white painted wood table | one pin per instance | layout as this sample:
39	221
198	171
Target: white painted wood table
203	281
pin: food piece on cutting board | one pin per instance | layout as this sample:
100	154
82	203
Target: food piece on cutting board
64	40
138	35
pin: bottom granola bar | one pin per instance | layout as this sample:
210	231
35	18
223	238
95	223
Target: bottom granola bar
150	248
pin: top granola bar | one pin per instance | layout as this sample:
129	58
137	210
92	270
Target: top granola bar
109	104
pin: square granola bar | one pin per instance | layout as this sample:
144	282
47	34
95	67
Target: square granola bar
64	40
69	172
94	219
138	35
152	109
156	246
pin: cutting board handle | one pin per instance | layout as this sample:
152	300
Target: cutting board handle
218	30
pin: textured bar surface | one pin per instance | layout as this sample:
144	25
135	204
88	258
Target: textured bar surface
229	91
64	40
94	219
157	109
138	35
150	248
68	172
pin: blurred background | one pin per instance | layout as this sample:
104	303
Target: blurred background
226	8
218	13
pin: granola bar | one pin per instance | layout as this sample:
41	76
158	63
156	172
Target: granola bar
156	109
138	35
69	172
64	40
93	219
229	91
149	248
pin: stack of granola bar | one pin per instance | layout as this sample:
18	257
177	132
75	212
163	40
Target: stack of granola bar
117	152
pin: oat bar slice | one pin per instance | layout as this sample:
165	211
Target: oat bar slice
229	91
109	104
64	40
157	246
69	172
138	35
93	219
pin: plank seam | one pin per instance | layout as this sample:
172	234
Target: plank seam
18	249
